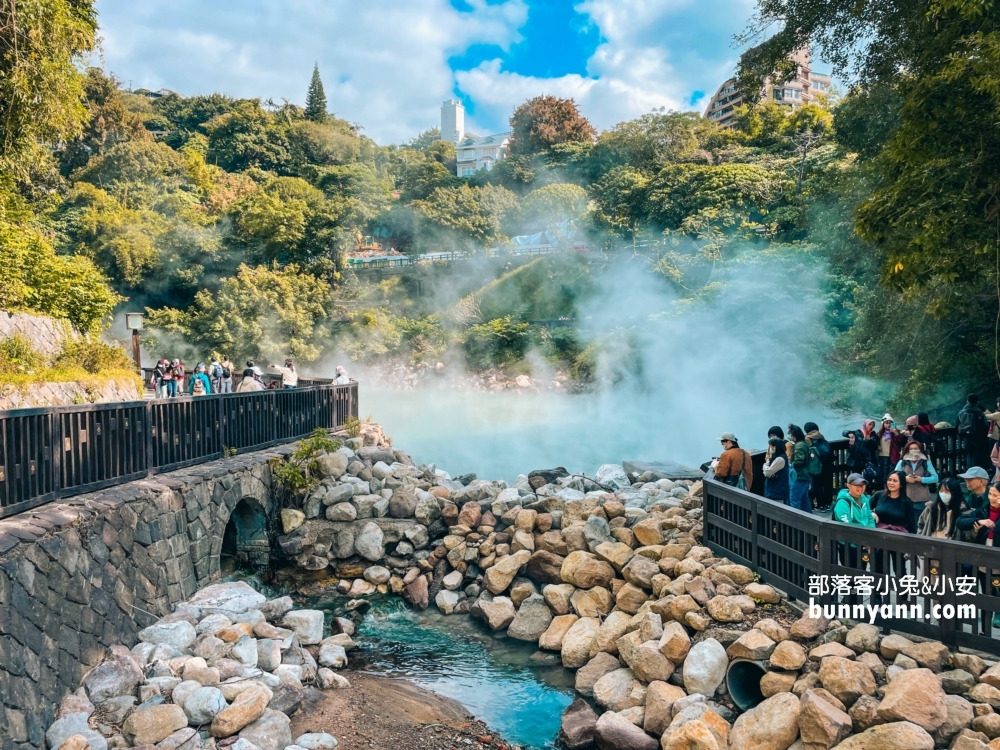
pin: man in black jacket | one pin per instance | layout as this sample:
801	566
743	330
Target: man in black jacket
973	431
822	485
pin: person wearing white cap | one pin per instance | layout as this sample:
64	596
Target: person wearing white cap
733	463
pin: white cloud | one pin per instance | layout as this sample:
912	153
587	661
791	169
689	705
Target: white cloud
384	63
653	53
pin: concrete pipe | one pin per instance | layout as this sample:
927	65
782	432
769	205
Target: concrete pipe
743	682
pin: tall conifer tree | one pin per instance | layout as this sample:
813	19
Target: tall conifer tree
316	98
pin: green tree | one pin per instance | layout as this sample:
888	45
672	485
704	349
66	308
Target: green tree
478	214
41	87
553	204
246	136
544	121
261	312
316	98
648	142
621	201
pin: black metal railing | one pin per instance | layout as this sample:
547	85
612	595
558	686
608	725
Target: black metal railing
59	451
270	379
797	552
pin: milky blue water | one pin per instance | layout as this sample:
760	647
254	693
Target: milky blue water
499	680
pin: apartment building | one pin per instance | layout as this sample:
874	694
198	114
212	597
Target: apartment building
473	152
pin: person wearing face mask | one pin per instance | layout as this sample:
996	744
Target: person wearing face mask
921	477
941	512
776	471
863	446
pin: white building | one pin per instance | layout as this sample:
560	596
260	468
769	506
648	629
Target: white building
473	152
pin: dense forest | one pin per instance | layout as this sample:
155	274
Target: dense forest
228	219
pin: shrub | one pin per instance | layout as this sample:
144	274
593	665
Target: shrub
496	342
94	356
18	356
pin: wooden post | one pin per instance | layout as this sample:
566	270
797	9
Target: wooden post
135	352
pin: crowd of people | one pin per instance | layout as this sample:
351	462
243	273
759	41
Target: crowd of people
170	379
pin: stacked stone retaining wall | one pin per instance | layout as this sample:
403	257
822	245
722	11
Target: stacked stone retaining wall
79	576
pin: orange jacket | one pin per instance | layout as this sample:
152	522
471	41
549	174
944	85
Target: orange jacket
732	462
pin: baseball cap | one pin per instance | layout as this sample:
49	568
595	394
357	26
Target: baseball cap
976	472
856	479
728	436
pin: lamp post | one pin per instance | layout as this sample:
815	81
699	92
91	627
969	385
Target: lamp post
134	322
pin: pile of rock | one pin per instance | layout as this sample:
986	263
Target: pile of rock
225	670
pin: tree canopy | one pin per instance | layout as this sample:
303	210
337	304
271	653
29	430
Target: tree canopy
316	98
545	121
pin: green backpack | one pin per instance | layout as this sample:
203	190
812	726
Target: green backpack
815	465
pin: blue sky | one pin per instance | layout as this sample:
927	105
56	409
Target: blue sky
388	64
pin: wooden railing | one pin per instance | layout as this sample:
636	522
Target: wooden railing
55	452
795	551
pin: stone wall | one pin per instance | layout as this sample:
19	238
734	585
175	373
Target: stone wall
80	576
45	334
64	394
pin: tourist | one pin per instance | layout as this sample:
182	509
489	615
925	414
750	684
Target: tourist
891	508
777	467
289	378
256	370
921	476
226	376
250	382
157	379
822	485
890	443
863	450
177	369
853	508
994	419
734	466
942	511
799	495
926	433
215	374
976	482
200	384
973	431
979	523
777	432
342	378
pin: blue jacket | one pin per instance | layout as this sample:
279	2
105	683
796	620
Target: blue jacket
204	381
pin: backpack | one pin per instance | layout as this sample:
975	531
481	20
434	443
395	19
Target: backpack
824	451
971	422
815	465
226	373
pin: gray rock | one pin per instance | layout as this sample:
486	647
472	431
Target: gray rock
227	598
333	656
307	624
612	475
596	531
417	536
268	654
332	464
427	510
446	600
705	667
370	542
578	726
402	504
531	620
316	741
342	544
245	651
341	512
272	731
339	493
179	635
72	724
615	732
117	675
203	705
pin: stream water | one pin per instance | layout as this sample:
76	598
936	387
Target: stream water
517	690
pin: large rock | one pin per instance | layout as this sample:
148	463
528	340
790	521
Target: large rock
930	654
616	690
895	736
577	642
846	679
497	613
552	638
500	576
615	732
203	705
370	542
640	571
960	715
152	724
822	724
753	644
660	700
612	476
228	599
614	627
117	675
272	731
675	641
74	725
772	725
316	741
649	664
332	465
914	695
545	567
585	571
588	675
788	655
531	620
179	635
695	726
417	593
705	667
578	725
307	624
247	707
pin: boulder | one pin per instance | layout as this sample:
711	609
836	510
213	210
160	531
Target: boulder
500	576
446	601
545	567
724	609
616	690
203	705
272	731
228	599
695	726
332	655
498	613
341	512
822	724
557	596
615	625
914	695
771	725
370	542
531	620
846	679
612	476
291	519
246	708
589	674
753	644
552	638
117	675
585	571
179	635
960	715
895	736
417	593
578	725
649	664
660	699
332	465
73	725
705	667
863	638
316	741
578	641
615	732
806	628
591	602
788	655
930	654
675	641
153	724
307	624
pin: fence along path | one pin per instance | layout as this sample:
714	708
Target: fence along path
55	452
786	546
